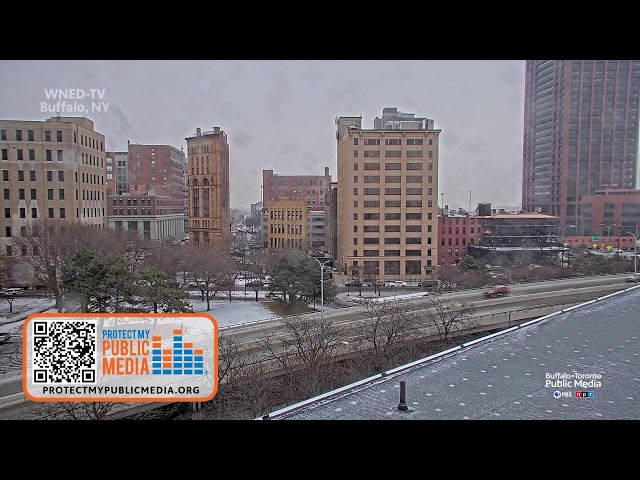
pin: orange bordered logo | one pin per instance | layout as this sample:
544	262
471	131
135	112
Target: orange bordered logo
113	357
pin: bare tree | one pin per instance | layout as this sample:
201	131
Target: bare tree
387	324
210	271
258	258
168	258
307	345
448	277
447	317
69	410
49	244
10	294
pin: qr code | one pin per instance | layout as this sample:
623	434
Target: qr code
64	351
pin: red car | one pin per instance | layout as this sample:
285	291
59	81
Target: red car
497	291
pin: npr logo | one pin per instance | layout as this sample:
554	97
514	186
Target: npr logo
585	394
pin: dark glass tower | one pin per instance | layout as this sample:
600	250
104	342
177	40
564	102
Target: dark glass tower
580	133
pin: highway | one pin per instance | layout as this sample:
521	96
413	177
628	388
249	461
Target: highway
534	297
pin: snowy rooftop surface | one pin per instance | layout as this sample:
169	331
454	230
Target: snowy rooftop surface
526	372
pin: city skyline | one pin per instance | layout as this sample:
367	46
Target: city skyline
280	114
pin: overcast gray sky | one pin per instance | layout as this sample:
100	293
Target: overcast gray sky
280	114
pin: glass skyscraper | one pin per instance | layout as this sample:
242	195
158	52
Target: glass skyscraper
580	133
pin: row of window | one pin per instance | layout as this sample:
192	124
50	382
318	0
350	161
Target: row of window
18	137
392	141
32	155
393	154
392	179
389	203
394	191
388	253
34	214
389	241
84	139
389	216
393	166
390	228
86	194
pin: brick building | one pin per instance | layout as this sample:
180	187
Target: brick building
311	189
209	194
149	191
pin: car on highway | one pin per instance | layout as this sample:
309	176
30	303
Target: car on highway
353	283
634	279
497	291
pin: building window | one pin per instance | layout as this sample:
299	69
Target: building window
62	213
50	212
58	136
18	135
32	175
19	153
61	193
414	141
6	194
48	155
7	212
47	135
30	135
21	193
34	213
60	159
32	155
21	175
3	134
33	194
355	141
50	194
61	175
5	175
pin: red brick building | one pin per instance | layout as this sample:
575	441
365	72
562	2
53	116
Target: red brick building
309	188
146	190
456	233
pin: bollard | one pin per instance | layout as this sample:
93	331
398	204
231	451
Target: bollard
402	406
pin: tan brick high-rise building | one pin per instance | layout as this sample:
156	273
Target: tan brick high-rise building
209	195
387	212
287	225
54	169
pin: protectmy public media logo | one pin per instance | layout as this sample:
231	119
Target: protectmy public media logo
120	357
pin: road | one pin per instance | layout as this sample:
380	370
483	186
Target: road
556	292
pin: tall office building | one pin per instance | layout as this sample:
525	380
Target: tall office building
580	136
387	209
209	195
53	169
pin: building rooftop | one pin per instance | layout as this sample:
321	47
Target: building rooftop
525	372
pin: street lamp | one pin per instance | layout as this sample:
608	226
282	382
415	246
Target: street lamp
608	227
608	234
322	264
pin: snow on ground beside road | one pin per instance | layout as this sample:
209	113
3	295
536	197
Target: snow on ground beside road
235	312
21	307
